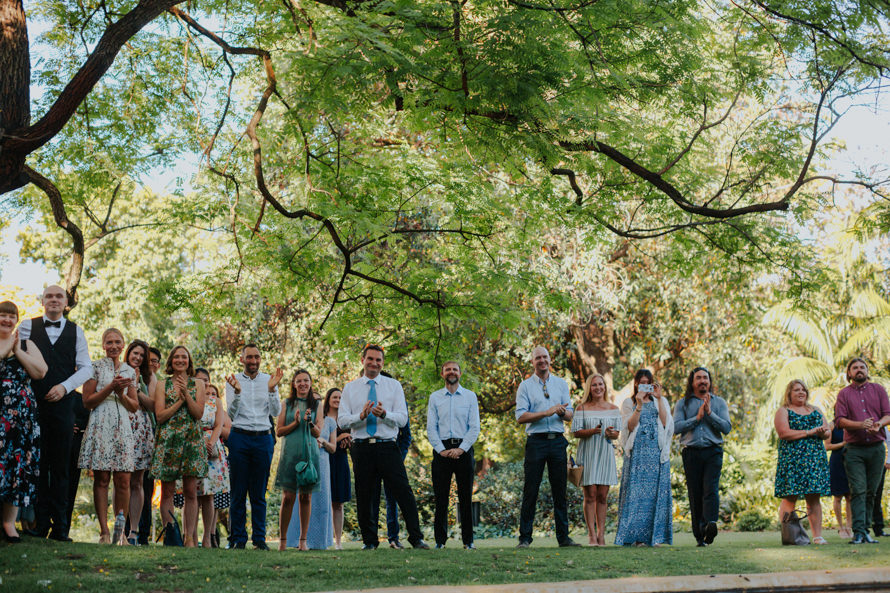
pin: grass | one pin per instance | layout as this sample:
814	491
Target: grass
49	566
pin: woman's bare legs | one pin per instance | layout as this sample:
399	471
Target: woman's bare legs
284	515
305	513
337	513
190	510
137	499
602	498
101	480
589	507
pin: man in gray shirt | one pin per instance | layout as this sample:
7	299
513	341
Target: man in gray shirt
701	419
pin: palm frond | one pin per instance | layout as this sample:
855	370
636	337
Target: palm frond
807	333
872	338
868	303
811	371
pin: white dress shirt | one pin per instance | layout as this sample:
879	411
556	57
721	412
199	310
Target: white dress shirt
250	409
82	363
389	394
452	416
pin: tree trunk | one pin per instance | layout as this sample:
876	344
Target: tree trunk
594	351
15	80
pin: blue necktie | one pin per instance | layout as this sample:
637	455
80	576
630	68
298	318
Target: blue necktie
372	419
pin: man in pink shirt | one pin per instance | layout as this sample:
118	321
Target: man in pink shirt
862	410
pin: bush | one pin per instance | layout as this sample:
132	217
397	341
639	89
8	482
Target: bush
753	520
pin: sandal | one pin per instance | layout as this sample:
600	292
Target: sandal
303	547
819	540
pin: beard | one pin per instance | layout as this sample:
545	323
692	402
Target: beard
451	379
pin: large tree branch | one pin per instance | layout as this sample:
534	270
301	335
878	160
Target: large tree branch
28	139
75	267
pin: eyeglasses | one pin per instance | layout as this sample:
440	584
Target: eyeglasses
546	393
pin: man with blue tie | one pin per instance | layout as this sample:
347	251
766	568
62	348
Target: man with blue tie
452	424
373	407
543	404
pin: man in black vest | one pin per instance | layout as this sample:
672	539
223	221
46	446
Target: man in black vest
64	348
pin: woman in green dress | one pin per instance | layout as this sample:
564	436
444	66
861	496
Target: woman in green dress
802	467
300	425
179	444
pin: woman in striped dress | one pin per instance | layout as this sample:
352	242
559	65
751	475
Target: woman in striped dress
596	424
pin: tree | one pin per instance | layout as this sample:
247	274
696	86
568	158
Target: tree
642	96
850	317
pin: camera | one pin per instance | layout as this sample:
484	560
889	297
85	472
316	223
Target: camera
646	388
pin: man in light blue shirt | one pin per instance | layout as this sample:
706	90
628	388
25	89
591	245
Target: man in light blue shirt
452	425
544	404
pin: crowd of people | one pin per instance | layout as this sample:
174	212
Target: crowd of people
132	425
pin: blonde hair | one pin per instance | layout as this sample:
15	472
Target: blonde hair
788	388
112	330
585	395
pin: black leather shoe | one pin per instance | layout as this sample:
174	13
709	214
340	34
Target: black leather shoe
701	544
369	547
710	532
858	539
569	543
523	545
60	537
880	533
260	545
396	545
420	545
870	540
469	546
440	546
236	546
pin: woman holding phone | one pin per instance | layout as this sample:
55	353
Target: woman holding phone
645	506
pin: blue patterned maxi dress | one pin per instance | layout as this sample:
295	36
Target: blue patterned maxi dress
645	506
320	534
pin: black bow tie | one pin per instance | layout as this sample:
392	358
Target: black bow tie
53	323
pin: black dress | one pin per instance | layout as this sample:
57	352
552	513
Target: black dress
19	436
340	486
839	485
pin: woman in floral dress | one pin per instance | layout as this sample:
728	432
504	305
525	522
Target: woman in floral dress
802	467
179	444
142	422
108	444
19	431
217	479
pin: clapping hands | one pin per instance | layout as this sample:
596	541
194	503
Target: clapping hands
274	379
236	385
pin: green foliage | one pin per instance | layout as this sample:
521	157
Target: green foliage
753	520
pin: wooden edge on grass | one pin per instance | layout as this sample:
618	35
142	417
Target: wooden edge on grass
870	580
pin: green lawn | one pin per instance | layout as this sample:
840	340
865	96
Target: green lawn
44	565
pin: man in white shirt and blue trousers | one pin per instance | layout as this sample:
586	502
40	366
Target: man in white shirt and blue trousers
373	407
543	403
252	400
452	424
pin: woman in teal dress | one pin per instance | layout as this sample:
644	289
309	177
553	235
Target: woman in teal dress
802	468
300	425
179	443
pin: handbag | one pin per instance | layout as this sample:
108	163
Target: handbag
574	472
793	533
307	474
171	532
